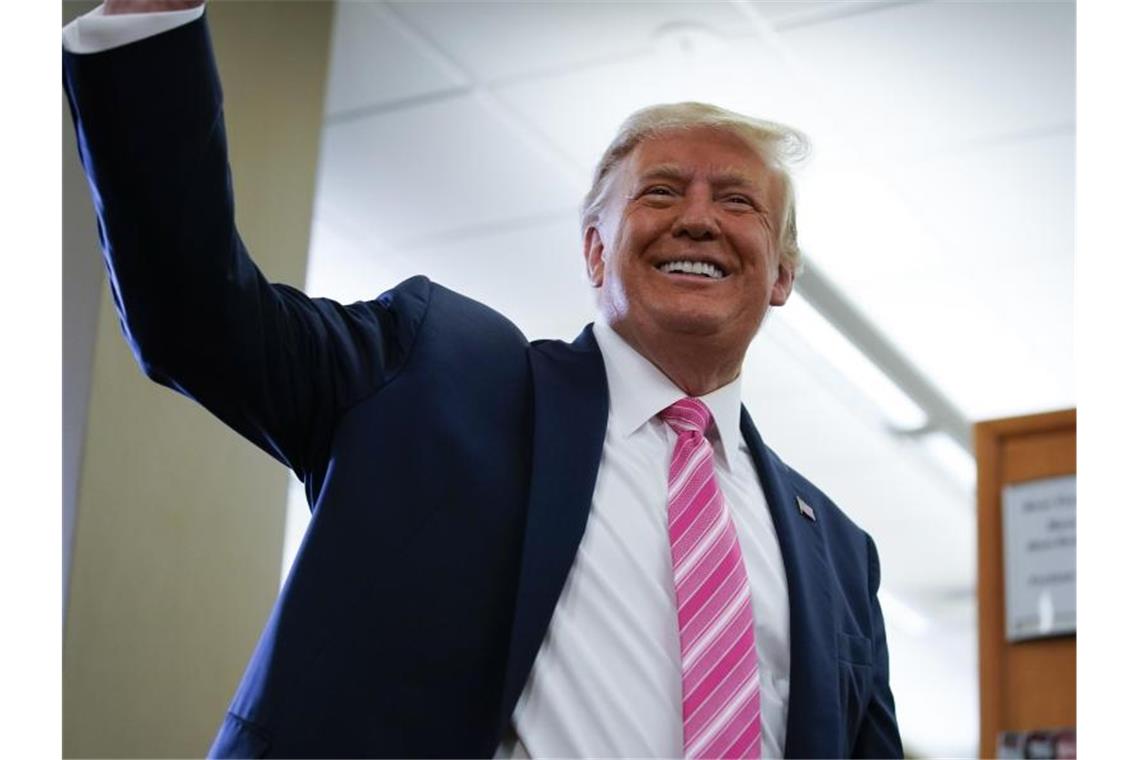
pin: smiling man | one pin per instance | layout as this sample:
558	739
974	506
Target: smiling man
521	549
686	242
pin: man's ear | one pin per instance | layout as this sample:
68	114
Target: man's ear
593	249
782	289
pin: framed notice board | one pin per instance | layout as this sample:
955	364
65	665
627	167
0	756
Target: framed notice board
1027	682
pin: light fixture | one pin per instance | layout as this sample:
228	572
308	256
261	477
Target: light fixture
954	459
899	411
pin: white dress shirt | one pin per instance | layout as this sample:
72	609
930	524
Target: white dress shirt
607	678
94	32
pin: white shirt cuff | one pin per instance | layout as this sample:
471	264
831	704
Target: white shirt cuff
95	32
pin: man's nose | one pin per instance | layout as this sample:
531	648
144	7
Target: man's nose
696	219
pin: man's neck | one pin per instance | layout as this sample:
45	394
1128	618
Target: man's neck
694	363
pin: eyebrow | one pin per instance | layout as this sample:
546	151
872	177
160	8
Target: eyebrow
728	178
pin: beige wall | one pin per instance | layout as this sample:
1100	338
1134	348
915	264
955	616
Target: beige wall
83	286
179	522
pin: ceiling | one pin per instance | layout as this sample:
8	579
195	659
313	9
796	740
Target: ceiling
938	205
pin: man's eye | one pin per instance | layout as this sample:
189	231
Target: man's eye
744	199
659	190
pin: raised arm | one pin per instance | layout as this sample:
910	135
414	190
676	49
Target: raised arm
200	317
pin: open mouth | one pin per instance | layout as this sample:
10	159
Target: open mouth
698	268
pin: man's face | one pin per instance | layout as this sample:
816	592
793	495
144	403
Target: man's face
694	197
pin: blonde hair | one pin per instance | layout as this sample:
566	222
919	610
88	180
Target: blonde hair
777	144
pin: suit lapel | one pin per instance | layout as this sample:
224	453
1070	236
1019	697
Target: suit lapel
813	712
571	404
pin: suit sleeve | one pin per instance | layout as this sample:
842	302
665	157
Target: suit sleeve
879	733
200	317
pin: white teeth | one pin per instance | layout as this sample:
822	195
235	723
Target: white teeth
692	267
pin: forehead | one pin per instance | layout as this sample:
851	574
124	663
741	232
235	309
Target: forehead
704	152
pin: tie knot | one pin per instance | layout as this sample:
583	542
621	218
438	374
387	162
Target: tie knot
689	415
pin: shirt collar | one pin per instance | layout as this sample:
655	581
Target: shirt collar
639	390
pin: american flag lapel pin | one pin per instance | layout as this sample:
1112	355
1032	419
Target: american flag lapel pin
805	510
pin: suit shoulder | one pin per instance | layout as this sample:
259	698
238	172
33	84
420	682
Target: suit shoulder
851	548
832	517
417	297
432	315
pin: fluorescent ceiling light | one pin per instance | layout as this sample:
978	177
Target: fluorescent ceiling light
898	409
952	457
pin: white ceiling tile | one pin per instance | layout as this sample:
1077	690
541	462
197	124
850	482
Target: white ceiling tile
347	265
438	168
374	62
912	78
791	13
499	40
531	273
534	274
580	110
776	11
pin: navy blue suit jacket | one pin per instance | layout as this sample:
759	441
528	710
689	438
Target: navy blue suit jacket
449	463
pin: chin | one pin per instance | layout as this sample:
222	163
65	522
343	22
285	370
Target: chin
691	323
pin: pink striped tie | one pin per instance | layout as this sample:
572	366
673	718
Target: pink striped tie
720	683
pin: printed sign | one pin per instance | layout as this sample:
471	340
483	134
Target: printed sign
1039	523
